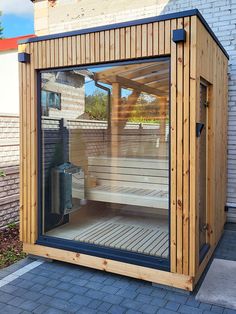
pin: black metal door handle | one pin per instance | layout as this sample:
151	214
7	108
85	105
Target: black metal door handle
199	128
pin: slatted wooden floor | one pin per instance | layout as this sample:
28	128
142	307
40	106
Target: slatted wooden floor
134	238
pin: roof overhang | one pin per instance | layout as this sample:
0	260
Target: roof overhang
176	15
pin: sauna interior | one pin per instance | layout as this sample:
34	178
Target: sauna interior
105	137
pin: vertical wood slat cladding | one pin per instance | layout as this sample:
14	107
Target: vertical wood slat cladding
146	40
186	124
187	66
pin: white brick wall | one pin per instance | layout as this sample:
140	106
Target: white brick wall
9	164
67	15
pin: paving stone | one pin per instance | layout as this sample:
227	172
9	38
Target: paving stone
127	293
110	289
86	276
148	309
53	275
37	287
29	305
9	309
94	294
123	284
41	309
41	279
44	272
192	302
8	288
58	304
54	311
17	281
189	309
78	290
32	296
176	297
94	304
158	292
229	311
28	276
85	310
205	306
104	306
81	299
2	305
45	299
67	278
131	304
145	290
217	309
64	295
117	309
19	292
94	285
173	306
130	311
65	286
50	291
72	307
16	301
114	299
100	278
158	302
79	282
166	311
143	298
53	283
109	281
5	297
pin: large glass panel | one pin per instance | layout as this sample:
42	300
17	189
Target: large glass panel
105	156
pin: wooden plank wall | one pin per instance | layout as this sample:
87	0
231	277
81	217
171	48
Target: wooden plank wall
126	43
212	67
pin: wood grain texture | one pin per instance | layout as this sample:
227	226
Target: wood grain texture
130	270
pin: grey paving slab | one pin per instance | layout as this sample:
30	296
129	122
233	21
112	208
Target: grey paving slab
219	285
64	288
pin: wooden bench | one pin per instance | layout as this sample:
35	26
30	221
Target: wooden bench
132	181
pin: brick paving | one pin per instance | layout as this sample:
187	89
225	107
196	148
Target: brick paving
55	287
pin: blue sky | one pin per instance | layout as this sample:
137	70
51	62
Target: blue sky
17	17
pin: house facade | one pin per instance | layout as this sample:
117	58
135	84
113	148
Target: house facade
9	126
9	82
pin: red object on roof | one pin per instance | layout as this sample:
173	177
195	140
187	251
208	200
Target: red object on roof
12	43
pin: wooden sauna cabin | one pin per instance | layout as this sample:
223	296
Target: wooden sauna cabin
123	147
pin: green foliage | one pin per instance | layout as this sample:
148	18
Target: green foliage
11	225
10	256
10	245
96	105
146	110
1	28
2	173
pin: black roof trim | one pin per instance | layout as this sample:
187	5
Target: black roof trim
131	23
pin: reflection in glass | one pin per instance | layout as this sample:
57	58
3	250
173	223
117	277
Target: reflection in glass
105	139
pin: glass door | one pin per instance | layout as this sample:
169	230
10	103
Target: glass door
105	158
202	167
